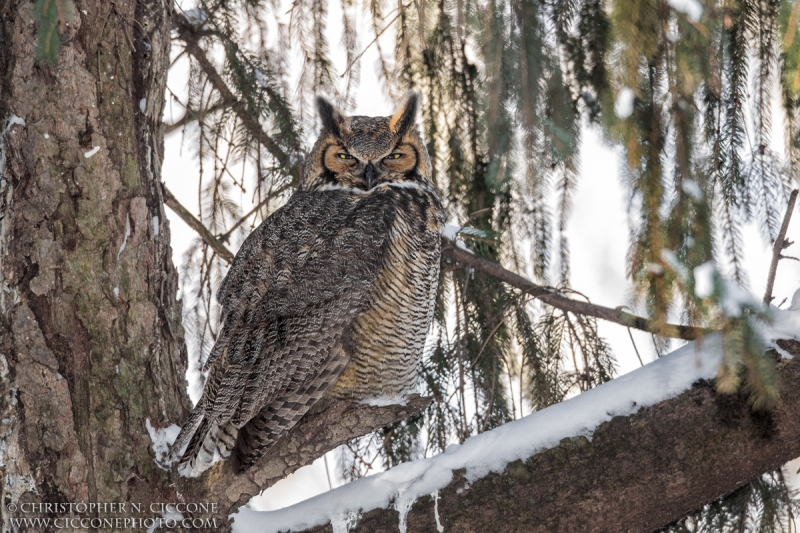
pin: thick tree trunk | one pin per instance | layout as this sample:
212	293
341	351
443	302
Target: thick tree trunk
638	473
91	330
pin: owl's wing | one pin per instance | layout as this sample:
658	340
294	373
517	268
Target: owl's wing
290	296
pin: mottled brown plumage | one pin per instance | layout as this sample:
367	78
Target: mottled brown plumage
331	296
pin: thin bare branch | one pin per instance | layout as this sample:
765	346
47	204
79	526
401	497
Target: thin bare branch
198	226
225	236
556	299
456	255
190	116
377	36
780	244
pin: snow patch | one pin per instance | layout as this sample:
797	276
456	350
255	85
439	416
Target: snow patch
197	17
491	451
735	299
345	523
691	8
261	79
784	325
162	439
795	305
623	105
671	259
655	268
14	119
403	506
439	526
91	152
704	279
383	401
451	231
691	188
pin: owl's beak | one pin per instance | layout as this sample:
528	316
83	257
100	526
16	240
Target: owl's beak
370	174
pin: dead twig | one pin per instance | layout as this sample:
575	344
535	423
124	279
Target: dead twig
780	244
187	33
198	226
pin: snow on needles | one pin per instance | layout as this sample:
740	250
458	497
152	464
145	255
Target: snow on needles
623	105
691	8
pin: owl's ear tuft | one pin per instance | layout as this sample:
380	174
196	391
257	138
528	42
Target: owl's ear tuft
405	116
331	118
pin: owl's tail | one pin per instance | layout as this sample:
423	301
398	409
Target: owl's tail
208	442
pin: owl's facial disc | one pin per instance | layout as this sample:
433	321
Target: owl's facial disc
360	152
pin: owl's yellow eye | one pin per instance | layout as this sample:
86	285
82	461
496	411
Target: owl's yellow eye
395	155
344	155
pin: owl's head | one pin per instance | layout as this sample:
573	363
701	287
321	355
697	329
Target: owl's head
363	152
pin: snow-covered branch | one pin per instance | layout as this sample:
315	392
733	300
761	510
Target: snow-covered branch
633	454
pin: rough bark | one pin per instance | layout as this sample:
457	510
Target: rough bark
329	425
91	339
638	473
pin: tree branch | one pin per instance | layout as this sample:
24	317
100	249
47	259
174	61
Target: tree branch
224	237
663	462
198	226
187	33
778	247
559	301
190	116
327	426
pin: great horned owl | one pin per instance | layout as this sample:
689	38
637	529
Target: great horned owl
332	295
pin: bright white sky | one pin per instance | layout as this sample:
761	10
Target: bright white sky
597	231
